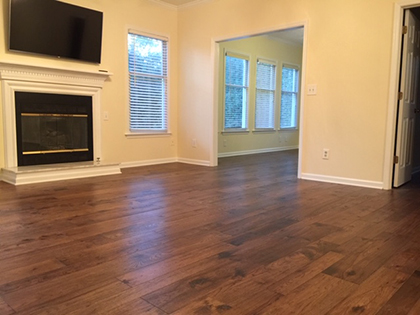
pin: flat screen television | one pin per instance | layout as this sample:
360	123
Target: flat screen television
55	28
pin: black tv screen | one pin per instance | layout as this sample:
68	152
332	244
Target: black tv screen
55	28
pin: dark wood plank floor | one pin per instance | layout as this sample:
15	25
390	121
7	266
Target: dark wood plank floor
246	237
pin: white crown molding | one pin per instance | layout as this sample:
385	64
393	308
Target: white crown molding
193	3
177	7
165	4
41	74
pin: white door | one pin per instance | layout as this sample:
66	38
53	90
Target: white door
407	105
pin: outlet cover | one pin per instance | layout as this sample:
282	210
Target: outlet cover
311	89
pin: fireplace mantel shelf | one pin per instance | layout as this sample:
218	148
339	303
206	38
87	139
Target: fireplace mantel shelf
33	73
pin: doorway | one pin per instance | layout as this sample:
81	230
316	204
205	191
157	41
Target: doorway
261	55
390	143
407	132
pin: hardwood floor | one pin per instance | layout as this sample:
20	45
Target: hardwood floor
246	237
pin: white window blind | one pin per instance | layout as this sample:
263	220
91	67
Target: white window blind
265	95
289	97
148	75
236	91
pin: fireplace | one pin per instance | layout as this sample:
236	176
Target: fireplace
51	134
53	128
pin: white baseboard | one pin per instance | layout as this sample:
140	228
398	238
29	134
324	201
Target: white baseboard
343	181
148	162
258	151
194	162
164	161
48	173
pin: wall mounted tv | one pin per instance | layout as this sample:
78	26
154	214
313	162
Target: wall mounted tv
55	28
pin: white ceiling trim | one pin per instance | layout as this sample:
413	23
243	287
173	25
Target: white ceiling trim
165	4
182	6
193	3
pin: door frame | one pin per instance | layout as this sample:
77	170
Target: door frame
391	124
215	51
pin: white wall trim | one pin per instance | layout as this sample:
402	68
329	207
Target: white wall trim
258	151
192	3
61	76
181	6
343	181
165	4
393	90
47	173
194	162
302	97
148	162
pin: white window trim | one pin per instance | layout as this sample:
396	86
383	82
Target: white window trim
296	67
133	134
239	55
275	105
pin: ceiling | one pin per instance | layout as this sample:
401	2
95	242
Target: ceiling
293	35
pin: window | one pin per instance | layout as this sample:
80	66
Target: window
147	63
236	92
289	97
265	95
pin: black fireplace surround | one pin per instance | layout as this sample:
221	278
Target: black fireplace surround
53	128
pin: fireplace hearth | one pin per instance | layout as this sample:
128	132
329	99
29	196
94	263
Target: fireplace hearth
53	128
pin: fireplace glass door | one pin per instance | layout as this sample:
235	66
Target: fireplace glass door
53	133
53	128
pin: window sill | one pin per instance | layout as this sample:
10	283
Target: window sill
289	129
152	134
267	130
226	132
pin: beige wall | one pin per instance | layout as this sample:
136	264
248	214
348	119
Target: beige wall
141	15
257	47
348	57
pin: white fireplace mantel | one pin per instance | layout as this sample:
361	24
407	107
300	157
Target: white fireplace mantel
41	74
17	77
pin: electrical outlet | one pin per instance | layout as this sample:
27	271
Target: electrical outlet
326	154
225	143
106	116
311	89
194	143
172	143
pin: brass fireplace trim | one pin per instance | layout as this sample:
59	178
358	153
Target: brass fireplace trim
55	151
53	115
